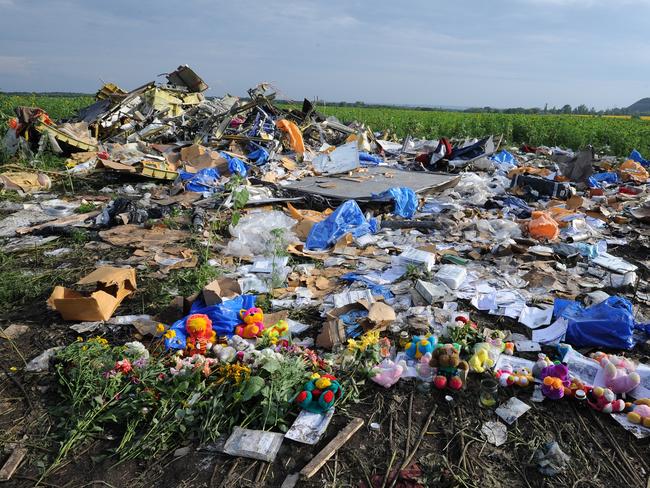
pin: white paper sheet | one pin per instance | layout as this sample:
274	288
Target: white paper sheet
533	317
552	334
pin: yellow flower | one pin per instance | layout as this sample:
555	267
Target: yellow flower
352	345
160	328
13	369
170	334
80	339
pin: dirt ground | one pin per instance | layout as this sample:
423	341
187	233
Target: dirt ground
450	449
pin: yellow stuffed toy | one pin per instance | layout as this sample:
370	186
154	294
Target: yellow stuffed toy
481	359
276	331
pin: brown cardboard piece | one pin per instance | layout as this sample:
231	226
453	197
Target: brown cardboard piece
112	286
332	334
219	290
199	157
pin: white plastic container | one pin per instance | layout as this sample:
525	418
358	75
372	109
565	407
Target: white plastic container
451	275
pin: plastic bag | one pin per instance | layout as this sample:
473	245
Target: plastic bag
504	161
260	156
295	136
224	316
608	324
543	226
348	217
368	159
235	165
260	234
406	201
205	180
595	180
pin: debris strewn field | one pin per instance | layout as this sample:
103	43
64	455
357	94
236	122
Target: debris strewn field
236	292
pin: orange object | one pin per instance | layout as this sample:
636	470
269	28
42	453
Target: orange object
529	170
295	136
543	226
633	171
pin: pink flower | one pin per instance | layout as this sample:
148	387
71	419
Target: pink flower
123	366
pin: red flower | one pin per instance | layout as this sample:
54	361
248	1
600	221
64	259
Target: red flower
123	366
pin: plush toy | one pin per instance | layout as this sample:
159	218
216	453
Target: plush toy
555	379
540	364
319	393
252	323
388	372
640	413
276	331
481	359
451	371
199	333
604	400
420	345
508	376
509	349
619	373
574	386
598	356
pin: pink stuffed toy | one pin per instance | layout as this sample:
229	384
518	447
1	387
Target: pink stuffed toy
388	372
620	375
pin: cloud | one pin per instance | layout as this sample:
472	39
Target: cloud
14	65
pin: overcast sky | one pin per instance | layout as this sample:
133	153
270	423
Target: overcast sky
500	53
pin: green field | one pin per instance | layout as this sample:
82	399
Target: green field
617	136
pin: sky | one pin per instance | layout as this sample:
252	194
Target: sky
467	53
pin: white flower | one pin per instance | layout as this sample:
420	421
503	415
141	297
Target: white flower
136	350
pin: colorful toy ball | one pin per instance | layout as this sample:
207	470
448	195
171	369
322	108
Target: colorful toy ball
319	393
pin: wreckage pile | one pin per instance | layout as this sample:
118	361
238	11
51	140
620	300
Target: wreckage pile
498	277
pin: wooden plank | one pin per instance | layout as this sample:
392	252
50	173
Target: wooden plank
328	451
12	463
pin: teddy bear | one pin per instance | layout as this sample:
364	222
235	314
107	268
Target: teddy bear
604	400
508	376
388	372
252	323
277	330
619	374
419	346
451	371
199	333
481	359
555	379
640	413
319	393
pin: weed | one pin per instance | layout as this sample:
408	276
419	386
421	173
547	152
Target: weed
86	207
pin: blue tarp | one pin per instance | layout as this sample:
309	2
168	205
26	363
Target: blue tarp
348	217
235	165
260	156
202	181
504	160
367	159
406	201
224	316
609	324
636	156
595	180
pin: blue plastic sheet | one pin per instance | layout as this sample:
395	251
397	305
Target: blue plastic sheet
368	159
504	160
517	207
205	180
348	217
235	165
377	290
224	316
609	324
406	201
260	156
595	180
636	156
351	321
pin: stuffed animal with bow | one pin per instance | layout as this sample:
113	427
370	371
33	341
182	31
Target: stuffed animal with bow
420	345
604	400
619	373
555	379
451	371
319	393
199	333
253	323
480	360
640	413
388	372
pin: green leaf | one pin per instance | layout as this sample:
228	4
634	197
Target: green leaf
253	386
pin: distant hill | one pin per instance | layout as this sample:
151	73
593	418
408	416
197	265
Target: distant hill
640	107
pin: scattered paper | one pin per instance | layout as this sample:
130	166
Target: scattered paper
552	334
582	367
512	410
638	431
309	427
643	390
533	317
495	433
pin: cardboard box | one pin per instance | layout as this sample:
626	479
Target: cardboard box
112	286
219	290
